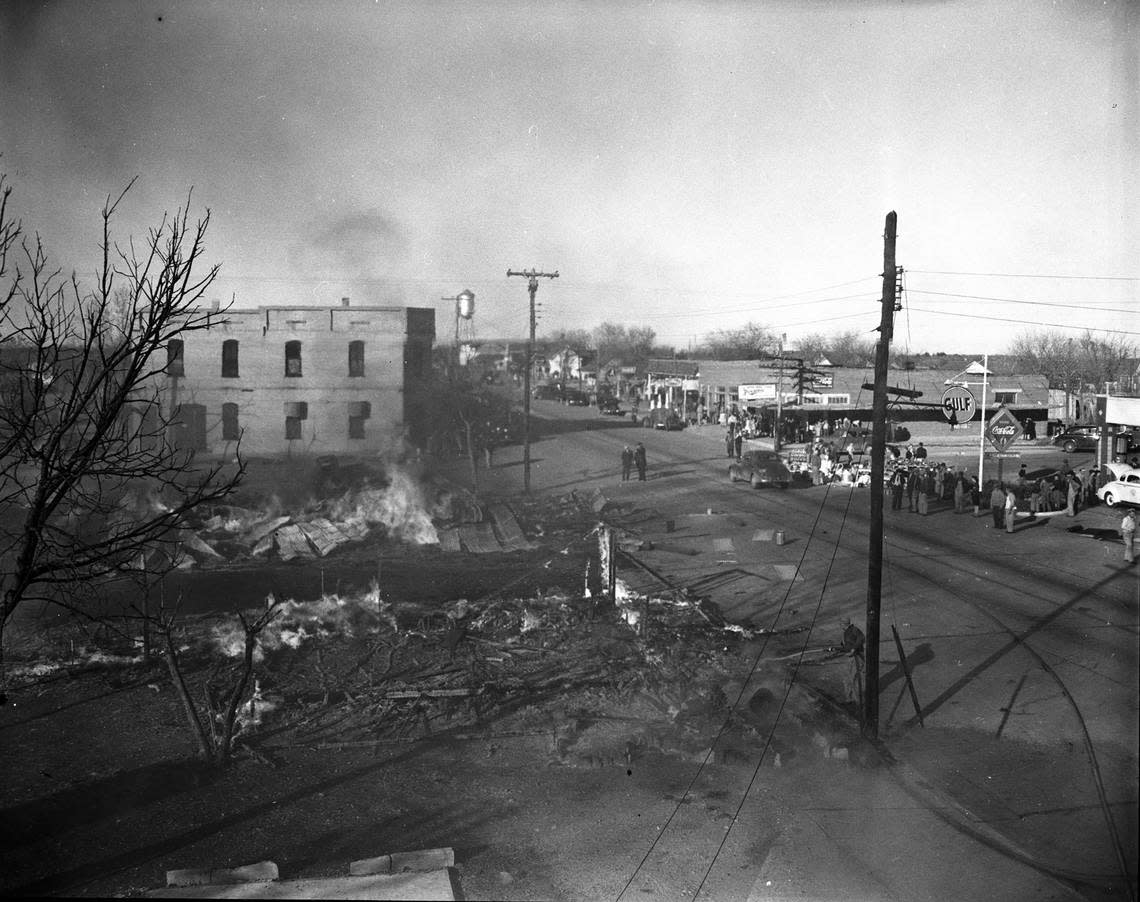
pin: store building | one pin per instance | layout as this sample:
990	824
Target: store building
290	381
842	392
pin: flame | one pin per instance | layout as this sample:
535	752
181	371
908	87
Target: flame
298	621
400	507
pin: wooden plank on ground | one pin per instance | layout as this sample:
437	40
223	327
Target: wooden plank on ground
248	873
508	529
420	860
409	887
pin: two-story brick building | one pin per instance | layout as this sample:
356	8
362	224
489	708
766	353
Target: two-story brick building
302	381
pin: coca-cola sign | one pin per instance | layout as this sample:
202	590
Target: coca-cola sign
1003	429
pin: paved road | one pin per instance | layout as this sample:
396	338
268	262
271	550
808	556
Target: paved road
1023	647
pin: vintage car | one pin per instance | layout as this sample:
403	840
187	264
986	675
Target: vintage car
577	398
610	407
1124	489
663	418
760	468
549	392
1078	438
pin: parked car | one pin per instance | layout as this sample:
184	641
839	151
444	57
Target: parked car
549	392
577	398
663	418
1078	438
760	468
610	407
1125	489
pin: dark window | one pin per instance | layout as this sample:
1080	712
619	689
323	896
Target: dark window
356	358
296	412
174	358
358	412
230	358
292	358
1005	397
188	427
231	431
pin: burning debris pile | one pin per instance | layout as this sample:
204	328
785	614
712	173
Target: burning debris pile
402	511
600	684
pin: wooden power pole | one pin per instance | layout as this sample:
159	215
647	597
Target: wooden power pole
878	469
532	277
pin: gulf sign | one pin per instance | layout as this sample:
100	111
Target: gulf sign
958	404
1003	429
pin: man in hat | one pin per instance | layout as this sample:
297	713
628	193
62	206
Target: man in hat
853	645
626	462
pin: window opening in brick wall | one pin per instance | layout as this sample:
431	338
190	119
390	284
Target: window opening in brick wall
188	427
358	413
174	358
230	358
1005	397
231	431
292	358
296	412
356	358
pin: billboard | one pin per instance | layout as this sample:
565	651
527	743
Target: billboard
756	392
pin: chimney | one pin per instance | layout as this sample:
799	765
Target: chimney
344	302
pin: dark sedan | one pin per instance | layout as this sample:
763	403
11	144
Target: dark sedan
760	468
1078	438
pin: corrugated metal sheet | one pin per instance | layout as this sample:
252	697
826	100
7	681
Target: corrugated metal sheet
449	540
324	536
479	538
291	543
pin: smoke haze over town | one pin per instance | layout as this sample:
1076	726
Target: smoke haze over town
684	166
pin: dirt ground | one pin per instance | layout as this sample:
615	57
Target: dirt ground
481	702
560	739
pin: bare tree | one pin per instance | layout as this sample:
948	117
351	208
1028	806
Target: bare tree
215	723
91	486
749	342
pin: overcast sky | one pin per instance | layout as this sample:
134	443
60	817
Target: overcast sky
688	166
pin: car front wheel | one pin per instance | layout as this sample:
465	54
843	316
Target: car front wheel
1070	446
755	481
1109	499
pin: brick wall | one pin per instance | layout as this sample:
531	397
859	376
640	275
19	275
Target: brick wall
264	394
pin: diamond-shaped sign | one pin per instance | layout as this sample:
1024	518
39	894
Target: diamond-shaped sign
1003	429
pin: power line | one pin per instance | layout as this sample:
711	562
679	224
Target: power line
1023	275
1021	322
705	311
982	297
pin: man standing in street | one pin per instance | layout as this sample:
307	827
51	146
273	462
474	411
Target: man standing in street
997	504
639	461
853	642
1010	509
898	485
920	454
626	462
1128	533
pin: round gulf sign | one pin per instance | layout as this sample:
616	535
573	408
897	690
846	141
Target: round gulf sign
958	404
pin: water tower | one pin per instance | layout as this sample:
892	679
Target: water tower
464	327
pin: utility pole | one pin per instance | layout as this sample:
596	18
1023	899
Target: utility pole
878	468
779	397
532	277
